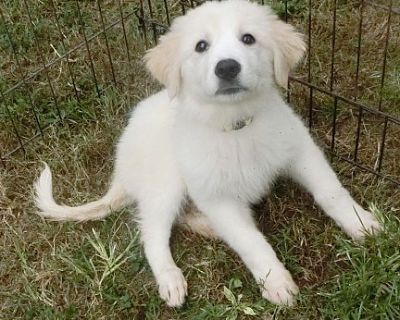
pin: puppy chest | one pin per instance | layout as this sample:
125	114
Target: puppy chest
229	165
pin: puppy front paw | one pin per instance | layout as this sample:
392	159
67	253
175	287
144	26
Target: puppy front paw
172	287
361	223
279	288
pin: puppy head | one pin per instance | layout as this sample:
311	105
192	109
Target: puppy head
225	51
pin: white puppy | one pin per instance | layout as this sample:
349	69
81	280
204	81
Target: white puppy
218	135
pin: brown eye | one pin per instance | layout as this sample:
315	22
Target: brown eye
248	39
202	46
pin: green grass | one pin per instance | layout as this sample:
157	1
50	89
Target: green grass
371	289
97	270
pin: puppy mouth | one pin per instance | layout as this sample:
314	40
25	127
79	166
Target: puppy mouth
229	89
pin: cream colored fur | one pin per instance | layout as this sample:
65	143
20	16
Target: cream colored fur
175	148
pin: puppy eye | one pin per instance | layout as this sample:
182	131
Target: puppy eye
202	46
248	39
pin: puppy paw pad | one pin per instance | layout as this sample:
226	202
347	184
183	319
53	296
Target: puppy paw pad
364	223
172	287
280	289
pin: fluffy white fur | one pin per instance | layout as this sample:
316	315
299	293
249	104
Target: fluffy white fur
175	148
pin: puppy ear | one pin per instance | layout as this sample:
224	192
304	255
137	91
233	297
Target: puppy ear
288	49
163	63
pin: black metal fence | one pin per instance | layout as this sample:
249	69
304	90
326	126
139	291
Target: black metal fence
348	88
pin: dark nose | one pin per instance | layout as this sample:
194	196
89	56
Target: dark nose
227	69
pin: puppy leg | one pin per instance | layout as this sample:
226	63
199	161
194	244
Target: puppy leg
157	215
233	222
195	221
311	169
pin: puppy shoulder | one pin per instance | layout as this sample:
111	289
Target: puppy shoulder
151	103
151	114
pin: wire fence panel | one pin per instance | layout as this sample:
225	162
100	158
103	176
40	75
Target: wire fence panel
65	54
350	81
57	60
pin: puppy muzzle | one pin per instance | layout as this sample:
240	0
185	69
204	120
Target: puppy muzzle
229	87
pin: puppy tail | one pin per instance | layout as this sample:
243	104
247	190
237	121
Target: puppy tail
114	199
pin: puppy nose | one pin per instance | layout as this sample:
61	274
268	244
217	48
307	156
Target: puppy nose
227	69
